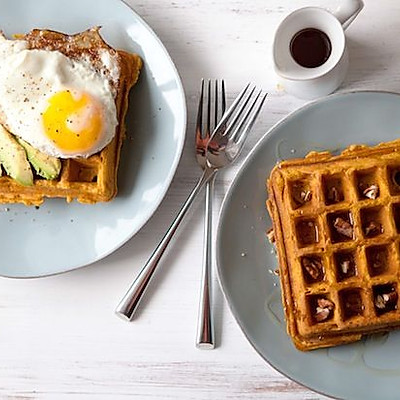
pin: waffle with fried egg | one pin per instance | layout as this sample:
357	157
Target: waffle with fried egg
87	179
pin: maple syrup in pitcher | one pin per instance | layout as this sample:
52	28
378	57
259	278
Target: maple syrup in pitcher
310	47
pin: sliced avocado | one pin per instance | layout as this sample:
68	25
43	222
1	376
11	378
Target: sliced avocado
46	166
13	159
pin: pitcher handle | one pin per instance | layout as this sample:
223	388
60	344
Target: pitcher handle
348	11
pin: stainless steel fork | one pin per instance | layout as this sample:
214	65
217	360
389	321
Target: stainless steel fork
215	103
224	146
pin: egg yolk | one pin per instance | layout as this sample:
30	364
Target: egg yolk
73	121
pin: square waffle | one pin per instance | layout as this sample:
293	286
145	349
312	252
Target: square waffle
336	226
92	179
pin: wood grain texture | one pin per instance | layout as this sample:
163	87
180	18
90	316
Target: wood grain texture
59	338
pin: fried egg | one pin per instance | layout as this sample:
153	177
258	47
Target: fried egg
61	106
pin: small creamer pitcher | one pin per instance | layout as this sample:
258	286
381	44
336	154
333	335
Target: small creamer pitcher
309	51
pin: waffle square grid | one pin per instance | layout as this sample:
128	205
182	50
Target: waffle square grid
336	222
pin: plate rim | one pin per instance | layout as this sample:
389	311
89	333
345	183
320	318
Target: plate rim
223	207
178	156
169	178
182	93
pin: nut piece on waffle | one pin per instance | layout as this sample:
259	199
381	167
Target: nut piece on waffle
336	223
92	177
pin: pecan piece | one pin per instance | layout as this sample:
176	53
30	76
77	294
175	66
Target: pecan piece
301	194
343	227
373	228
334	196
305	196
345	266
371	192
313	266
380	302
322	314
325	303
386	301
323	310
271	235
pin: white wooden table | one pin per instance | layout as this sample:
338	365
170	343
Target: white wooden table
59	337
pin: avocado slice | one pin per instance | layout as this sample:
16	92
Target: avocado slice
13	159
48	167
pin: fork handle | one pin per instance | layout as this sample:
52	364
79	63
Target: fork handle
129	303
205	326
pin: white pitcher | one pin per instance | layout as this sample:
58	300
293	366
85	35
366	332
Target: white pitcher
310	83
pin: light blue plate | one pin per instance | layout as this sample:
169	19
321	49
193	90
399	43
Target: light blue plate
58	236
366	370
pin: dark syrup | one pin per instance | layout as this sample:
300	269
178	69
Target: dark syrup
310	47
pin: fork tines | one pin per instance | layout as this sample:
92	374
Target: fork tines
213	95
241	117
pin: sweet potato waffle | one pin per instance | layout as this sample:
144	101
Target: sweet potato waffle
336	225
92	179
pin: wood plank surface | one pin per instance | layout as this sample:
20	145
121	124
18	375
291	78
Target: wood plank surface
59	338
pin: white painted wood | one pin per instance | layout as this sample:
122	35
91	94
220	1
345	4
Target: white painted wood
59	337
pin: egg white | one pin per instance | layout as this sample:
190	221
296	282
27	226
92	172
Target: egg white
28	78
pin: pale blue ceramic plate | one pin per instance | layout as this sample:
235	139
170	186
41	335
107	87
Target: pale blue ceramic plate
59	237
367	370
